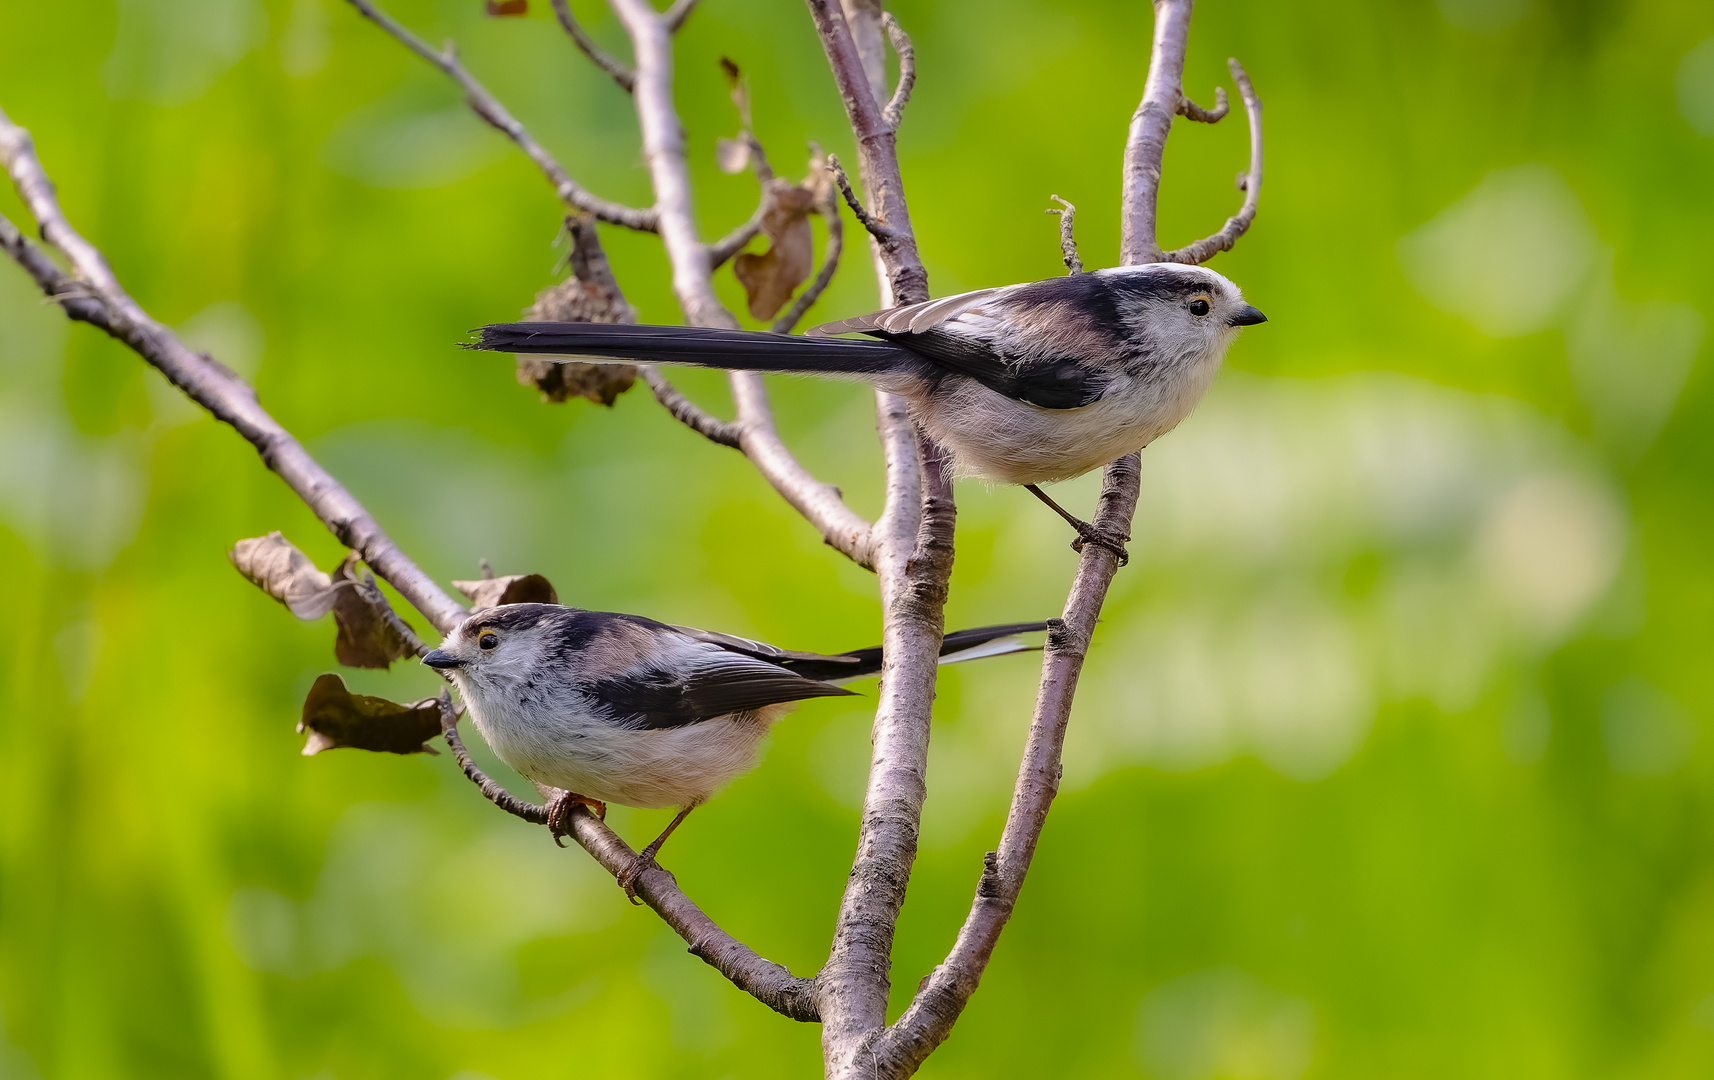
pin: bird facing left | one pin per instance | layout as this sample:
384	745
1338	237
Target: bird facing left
619	708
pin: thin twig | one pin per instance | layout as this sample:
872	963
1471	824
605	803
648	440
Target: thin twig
687	412
486	106
677	14
770	983
1251	183
895	109
377	600
602	59
492	790
1067	240
1190	110
788	321
98	299
722	250
880	232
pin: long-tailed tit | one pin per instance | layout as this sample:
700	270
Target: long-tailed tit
1024	384
623	709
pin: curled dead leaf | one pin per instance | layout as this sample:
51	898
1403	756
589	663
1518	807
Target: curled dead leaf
769	279
366	639
282	571
511	589
733	155
335	717
591	294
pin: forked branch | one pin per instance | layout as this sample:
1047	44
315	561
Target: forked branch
1067	237
1251	182
600	57
488	107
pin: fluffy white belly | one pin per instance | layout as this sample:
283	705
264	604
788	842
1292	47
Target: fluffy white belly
999	438
663	767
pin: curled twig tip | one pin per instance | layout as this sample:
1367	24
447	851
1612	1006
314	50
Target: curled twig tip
1067	240
880	232
895	108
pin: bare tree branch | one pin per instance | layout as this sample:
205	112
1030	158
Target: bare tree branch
664	150
1067	239
687	412
1250	182
914	564
880	232
486	106
1162	92
768	982
602	59
895	109
943	995
97	298
877	155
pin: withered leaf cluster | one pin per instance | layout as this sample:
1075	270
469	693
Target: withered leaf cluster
511	589
335	717
770	278
590	294
366	639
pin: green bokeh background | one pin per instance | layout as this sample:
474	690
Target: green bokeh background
1392	757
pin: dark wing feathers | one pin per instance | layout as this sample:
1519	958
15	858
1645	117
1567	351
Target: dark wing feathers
1048	382
715	684
729	676
761	650
962	334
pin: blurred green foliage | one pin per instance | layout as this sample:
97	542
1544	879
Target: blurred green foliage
1392	757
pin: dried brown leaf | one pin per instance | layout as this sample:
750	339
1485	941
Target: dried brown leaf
282	571
504	8
366	639
336	717
591	294
733	155
769	279
285	573
511	589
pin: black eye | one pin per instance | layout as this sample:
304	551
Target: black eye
487	641
1199	306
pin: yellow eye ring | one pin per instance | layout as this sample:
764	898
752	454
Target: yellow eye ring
487	639
1199	306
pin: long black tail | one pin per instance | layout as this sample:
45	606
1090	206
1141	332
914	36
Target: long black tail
740	350
960	645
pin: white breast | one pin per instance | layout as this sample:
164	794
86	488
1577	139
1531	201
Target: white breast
999	438
570	748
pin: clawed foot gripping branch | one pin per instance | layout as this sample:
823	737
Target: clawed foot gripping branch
909	546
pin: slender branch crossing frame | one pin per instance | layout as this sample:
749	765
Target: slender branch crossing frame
909	547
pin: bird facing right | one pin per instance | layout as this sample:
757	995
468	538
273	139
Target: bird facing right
1024	384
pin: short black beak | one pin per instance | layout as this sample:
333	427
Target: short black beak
442	660
1248	317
